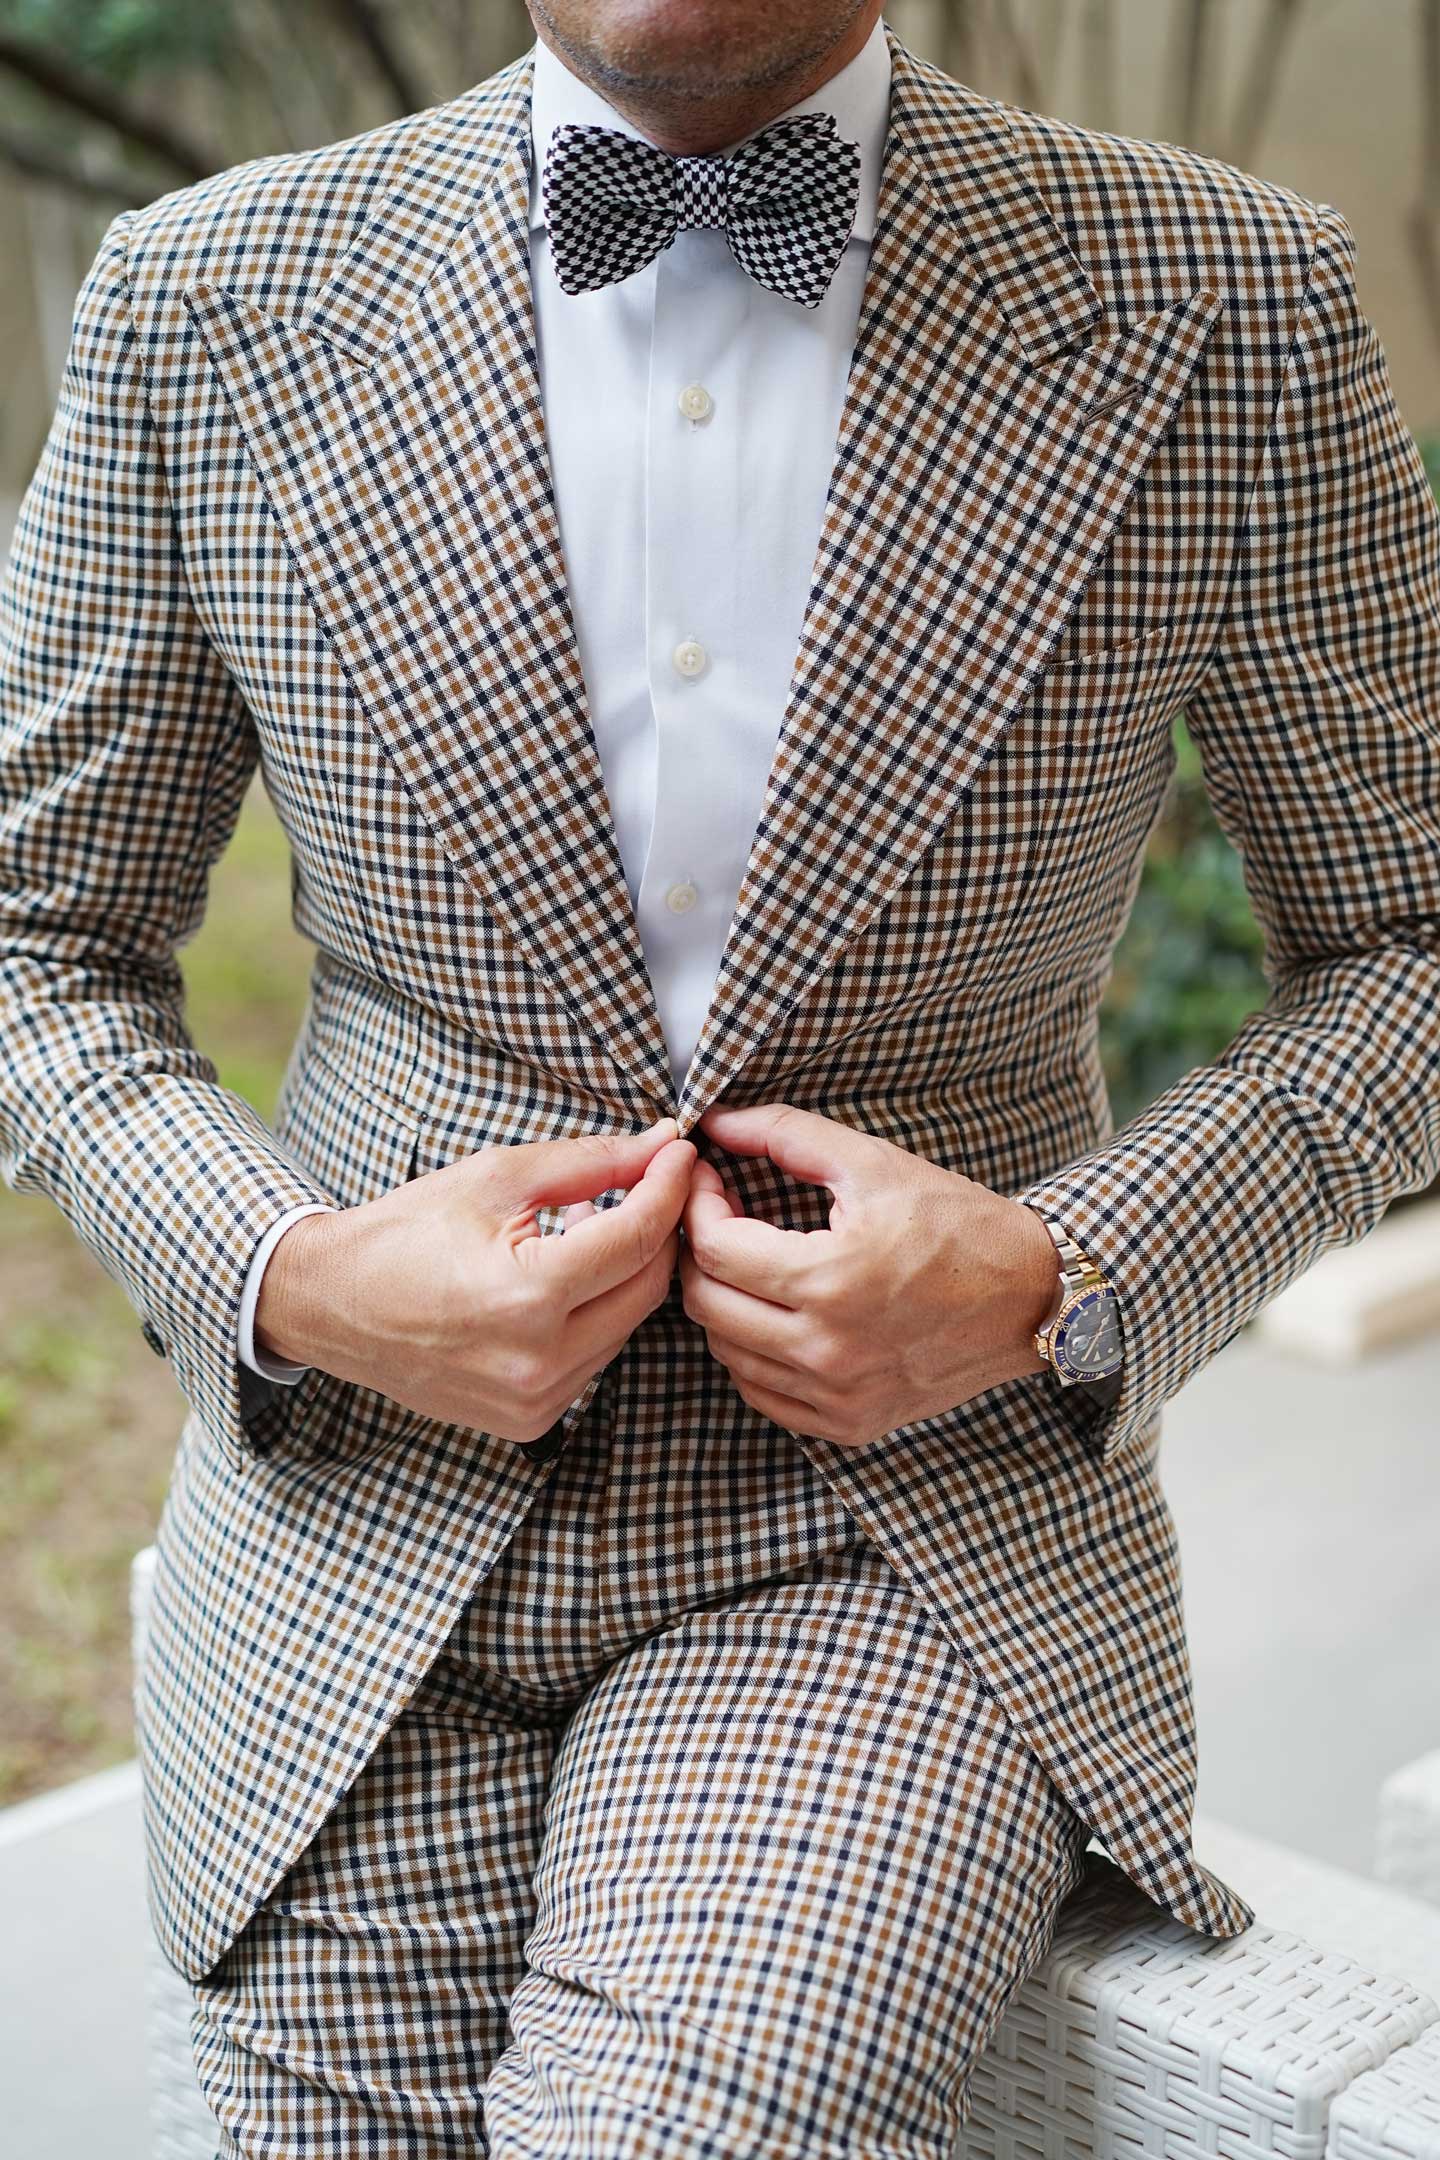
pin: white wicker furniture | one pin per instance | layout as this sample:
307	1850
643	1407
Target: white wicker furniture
1408	1842
1392	2113
1134	2037
1137	2036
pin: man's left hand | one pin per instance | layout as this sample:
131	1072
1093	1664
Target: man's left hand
924	1290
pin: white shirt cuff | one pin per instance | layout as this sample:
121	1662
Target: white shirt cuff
270	1368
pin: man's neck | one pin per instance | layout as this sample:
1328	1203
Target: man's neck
695	127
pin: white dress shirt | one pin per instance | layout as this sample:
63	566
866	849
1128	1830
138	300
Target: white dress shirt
692	419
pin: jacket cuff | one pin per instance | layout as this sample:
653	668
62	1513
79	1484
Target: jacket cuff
281	1370
190	1309
1104	1415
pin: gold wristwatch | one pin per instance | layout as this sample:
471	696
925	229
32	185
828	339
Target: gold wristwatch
1081	1339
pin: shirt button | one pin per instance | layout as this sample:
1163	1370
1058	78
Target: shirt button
689	656
696	402
681	898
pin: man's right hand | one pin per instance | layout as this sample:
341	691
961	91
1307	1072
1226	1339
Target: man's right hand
444	1295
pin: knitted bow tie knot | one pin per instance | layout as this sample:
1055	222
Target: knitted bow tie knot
785	200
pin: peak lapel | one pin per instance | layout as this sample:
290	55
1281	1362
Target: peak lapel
398	434
980	468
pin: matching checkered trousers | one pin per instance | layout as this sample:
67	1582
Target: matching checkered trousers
697	1838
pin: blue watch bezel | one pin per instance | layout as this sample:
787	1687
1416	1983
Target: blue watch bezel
1084	1303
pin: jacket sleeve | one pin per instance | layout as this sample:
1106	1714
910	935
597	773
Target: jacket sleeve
125	751
1317	722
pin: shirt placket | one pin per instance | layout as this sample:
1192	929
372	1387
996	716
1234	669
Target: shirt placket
694	656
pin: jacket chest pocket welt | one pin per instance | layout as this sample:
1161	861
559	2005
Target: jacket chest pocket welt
359	1143
1061	812
1028	879
1082	772
1093	726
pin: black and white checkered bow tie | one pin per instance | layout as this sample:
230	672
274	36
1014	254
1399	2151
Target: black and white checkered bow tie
785	201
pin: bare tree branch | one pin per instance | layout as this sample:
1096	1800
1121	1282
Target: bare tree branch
38	162
1189	71
1261	79
1421	220
309	101
1022	62
366	25
57	79
1097	49
1053	18
957	39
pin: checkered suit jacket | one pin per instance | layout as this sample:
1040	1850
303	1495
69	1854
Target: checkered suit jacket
1117	439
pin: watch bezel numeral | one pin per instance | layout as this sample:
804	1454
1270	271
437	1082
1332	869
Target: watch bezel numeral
1097	1294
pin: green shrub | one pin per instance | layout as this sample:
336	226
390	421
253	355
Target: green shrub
1187	970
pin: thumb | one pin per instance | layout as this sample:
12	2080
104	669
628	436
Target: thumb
559	1171
708	1200
815	1148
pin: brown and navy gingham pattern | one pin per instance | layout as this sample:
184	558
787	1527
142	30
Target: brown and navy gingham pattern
697	1837
785	201
1116	439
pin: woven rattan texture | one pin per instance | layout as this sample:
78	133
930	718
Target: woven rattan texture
1392	2113
1139	2036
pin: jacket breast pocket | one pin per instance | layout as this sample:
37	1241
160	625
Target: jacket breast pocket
1031	878
1084	764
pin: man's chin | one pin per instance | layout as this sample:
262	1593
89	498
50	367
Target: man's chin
685	52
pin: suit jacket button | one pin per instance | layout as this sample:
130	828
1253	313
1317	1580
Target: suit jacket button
155	1339
547	1447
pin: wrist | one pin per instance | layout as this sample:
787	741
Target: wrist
295	1311
1039	1298
1085	1345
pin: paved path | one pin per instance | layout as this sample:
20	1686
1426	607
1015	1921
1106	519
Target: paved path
1307	1502
72	1921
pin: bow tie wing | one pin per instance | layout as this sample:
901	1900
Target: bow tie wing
609	204
794	189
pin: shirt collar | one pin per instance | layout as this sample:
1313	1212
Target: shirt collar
858	95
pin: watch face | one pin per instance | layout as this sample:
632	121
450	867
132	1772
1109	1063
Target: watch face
1086	1344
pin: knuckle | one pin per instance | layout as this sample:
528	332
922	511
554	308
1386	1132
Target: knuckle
528	1375
825	1289
857	1433
510	1305
834	1364
594	1148
634	1241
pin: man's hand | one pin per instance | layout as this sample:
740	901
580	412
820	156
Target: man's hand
444	1295
925	1289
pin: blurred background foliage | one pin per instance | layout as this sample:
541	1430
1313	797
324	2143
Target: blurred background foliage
105	103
